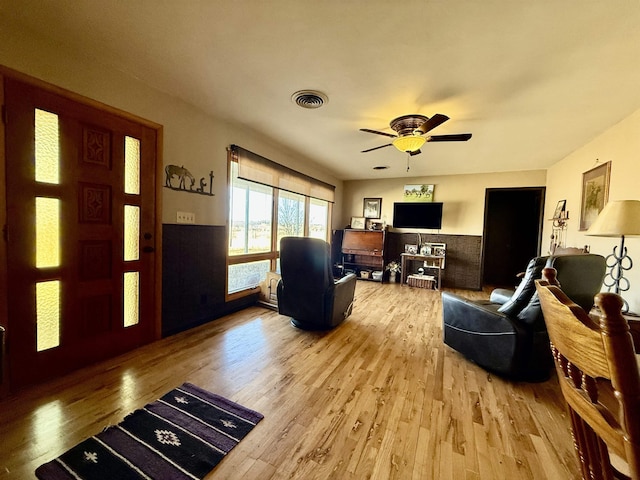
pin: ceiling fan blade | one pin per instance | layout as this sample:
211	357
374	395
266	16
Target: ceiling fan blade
460	137
433	122
376	148
415	152
378	133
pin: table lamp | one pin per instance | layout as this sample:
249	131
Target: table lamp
618	218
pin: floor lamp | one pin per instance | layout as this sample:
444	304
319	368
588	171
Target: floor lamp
618	218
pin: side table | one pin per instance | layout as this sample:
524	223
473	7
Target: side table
436	262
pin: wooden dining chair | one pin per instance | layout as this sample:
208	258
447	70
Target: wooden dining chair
598	373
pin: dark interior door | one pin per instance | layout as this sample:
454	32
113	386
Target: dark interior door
512	232
80	222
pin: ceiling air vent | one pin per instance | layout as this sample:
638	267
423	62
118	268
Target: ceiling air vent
309	99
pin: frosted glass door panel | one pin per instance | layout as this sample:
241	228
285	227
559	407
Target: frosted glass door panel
47	232
131	165
131	299
47	315
47	147
131	233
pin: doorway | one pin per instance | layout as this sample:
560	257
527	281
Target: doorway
512	232
80	230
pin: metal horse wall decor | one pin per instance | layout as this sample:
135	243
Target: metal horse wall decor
186	181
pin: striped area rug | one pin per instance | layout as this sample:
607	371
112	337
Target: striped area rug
183	435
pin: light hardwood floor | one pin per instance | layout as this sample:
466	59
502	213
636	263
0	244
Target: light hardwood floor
379	397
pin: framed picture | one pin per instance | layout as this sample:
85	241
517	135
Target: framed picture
559	209
357	222
408	248
374	224
372	207
595	193
418	193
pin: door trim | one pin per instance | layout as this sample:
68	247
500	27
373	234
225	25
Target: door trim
6	72
4	373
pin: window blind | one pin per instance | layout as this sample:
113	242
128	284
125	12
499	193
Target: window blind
256	168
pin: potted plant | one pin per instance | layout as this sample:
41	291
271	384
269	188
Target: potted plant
394	269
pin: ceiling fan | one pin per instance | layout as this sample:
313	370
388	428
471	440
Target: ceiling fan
410	131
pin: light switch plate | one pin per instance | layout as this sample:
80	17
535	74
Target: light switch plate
186	217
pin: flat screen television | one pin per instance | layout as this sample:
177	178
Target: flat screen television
417	215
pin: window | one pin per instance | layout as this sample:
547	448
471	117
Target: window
291	222
268	202
250	216
318	217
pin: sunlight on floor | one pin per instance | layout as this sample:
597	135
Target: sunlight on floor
47	426
128	391
244	343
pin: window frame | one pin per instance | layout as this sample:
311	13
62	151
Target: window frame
273	255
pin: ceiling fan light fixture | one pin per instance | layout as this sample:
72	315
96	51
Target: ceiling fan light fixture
409	143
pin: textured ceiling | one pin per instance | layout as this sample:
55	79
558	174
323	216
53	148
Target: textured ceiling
532	81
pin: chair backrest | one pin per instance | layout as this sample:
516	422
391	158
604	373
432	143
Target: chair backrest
570	250
580	276
526	288
598	373
305	264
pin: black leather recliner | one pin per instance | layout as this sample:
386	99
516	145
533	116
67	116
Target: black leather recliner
307	291
508	336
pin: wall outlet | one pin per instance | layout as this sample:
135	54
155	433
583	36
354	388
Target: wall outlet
186	217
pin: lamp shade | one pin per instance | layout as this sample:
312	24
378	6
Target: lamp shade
617	218
409	143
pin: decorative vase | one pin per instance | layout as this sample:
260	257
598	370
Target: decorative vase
392	277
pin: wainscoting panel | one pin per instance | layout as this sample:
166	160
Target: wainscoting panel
463	265
193	277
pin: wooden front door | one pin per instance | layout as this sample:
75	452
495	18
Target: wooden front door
80	233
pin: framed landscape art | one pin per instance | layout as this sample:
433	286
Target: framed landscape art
418	193
595	193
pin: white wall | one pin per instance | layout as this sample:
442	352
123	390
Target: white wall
191	137
621	145
463	196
